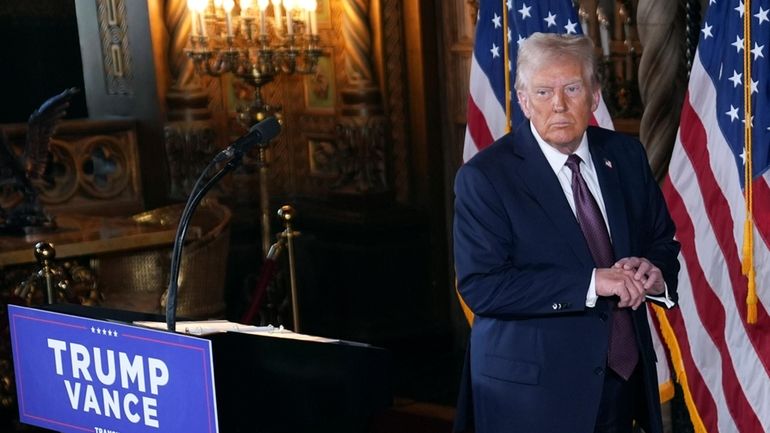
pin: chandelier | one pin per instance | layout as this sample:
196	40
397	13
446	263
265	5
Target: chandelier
255	41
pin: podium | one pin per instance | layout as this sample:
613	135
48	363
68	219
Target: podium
268	384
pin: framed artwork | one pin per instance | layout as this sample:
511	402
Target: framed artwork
322	156
320	92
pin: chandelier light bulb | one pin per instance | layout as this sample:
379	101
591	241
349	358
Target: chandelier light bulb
312	5
263	4
198	5
278	18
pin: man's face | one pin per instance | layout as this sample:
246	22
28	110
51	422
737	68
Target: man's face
559	102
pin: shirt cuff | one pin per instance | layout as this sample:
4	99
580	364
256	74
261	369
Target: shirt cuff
664	298
591	296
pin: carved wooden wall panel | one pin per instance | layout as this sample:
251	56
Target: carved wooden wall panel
458	30
395	96
95	167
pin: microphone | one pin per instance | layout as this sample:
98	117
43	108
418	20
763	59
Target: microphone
262	132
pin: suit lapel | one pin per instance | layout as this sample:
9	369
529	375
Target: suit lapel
608	174
538	178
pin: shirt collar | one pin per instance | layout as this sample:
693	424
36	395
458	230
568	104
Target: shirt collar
557	159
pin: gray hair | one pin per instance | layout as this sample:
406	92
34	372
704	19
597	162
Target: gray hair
541	49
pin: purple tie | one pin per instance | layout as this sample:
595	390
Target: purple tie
623	354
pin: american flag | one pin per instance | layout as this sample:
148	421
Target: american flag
722	360
486	103
486	114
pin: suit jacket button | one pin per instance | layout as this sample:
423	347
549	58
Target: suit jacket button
598	371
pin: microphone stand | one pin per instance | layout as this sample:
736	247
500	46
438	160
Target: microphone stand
261	132
184	222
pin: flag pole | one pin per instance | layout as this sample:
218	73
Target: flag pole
748	225
506	68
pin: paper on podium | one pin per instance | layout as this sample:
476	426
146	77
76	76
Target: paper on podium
207	327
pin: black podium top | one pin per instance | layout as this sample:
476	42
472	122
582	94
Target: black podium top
268	384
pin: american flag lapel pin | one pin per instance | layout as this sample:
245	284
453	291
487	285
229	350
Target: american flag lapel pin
607	162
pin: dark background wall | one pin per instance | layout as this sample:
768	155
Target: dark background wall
39	56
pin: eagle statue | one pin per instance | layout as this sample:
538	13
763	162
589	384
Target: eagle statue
22	211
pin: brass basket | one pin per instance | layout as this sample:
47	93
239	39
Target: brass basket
137	280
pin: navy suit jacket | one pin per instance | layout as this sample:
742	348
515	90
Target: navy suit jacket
537	354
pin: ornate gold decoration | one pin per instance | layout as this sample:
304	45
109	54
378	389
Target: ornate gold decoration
255	49
113	31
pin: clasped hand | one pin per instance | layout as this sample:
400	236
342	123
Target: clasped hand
630	279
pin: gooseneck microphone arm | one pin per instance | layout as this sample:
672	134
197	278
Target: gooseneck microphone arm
181	232
262	132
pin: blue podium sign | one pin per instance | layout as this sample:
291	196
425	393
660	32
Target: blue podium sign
77	375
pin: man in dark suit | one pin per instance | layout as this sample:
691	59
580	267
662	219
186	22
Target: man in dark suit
561	234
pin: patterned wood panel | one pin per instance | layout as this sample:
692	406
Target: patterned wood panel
395	95
95	167
113	31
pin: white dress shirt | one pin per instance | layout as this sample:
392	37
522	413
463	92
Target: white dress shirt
557	162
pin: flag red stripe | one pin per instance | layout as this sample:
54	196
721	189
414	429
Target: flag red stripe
718	212
703	400
477	125
762	210
712	315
